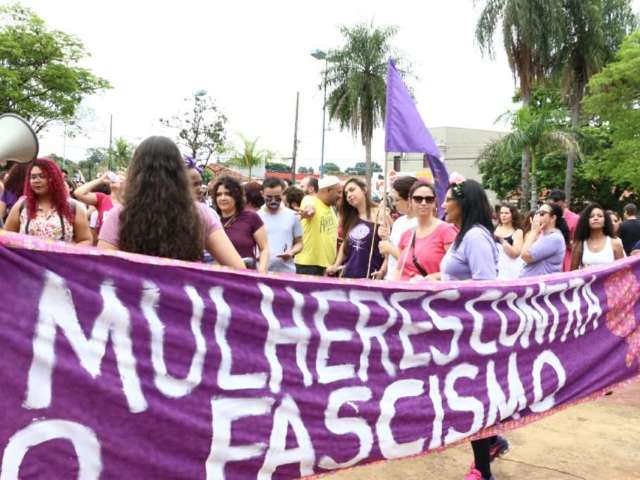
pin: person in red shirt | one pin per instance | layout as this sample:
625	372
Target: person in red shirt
558	197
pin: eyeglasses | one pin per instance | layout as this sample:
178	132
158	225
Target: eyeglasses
423	199
542	213
272	198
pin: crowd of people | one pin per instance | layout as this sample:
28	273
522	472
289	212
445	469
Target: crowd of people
161	207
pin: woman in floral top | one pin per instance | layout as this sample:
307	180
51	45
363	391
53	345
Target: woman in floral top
46	211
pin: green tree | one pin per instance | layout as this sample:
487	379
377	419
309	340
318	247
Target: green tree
120	155
331	168
39	74
201	127
532	35
356	79
594	31
278	167
250	155
613	98
540	128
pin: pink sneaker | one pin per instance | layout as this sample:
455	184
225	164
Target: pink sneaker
474	474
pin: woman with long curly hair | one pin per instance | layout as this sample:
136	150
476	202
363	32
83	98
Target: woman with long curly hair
359	253
13	187
243	225
46	211
594	241
511	238
159	215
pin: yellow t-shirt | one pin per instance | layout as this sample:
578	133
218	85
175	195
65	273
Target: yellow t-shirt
320	234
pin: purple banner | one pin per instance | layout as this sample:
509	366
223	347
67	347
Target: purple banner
122	366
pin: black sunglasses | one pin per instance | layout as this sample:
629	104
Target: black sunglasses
422	199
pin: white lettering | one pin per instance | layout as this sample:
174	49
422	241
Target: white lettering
546	358
388	446
277	454
367	333
497	399
226	379
56	309
483	348
347	425
224	411
436	400
167	383
84	441
462	404
573	307
330	373
410	358
298	335
444	323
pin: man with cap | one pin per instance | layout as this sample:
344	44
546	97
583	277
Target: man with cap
558	197
320	228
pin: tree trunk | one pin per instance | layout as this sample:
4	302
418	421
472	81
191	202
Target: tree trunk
367	147
526	163
533	204
572	155
525	174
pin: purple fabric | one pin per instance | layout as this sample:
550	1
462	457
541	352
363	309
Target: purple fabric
405	131
548	253
476	258
9	198
240	231
123	366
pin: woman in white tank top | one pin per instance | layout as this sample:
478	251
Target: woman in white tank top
594	242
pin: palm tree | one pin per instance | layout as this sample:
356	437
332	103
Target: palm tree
594	31
356	79
537	128
532	34
250	156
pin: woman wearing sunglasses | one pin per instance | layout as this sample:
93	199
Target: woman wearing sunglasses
545	246
473	256
424	246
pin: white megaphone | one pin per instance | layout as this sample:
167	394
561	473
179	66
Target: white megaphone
18	141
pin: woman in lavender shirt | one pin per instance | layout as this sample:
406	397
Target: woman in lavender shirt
473	256
545	246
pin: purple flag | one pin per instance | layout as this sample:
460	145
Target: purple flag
405	131
123	366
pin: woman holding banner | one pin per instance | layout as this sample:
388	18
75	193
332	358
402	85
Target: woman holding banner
46	211
545	246
424	246
359	255
594	241
160	216
473	256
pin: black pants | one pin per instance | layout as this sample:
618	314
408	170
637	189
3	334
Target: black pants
481	455
310	270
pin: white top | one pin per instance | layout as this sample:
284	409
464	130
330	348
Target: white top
282	228
401	225
602	257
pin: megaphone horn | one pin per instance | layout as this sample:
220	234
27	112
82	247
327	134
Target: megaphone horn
18	141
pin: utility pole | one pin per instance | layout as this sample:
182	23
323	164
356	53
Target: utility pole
110	142
295	142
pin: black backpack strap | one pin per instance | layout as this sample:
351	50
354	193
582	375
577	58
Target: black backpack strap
416	262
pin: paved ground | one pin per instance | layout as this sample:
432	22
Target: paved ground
597	440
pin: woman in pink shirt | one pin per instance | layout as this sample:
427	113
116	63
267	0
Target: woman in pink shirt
159	215
423	247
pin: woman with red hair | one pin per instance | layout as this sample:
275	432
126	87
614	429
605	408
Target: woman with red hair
46	211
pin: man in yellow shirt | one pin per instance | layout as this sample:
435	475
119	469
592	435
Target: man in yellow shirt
320	228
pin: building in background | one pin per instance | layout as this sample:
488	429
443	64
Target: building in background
460	148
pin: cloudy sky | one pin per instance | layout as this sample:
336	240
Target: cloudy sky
253	56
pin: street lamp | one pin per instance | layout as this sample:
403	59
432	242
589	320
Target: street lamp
322	55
